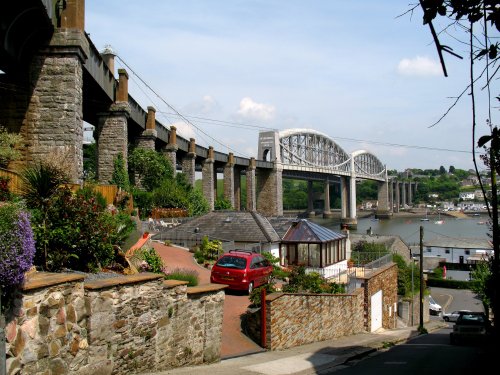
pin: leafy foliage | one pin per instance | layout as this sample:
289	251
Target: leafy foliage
76	232
256	293
8	147
151	167
405	276
41	181
222	204
153	261
302	282
482	283
208	250
120	174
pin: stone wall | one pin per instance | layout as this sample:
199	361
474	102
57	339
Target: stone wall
298	319
125	325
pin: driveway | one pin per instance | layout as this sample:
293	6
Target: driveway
234	342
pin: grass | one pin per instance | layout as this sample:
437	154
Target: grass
182	274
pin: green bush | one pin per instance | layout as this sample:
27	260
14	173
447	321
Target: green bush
143	200
255	294
209	250
447	283
154	263
302	282
191	276
75	232
120	174
278	272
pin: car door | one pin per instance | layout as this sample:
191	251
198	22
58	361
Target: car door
255	271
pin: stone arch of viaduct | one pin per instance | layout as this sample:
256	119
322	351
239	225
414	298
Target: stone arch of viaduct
55	79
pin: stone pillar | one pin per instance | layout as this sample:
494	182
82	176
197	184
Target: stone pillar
343	198
188	162
397	196
327	213
251	186
53	124
170	150
391	196
270	191
352	197
229	179
207	178
147	139
108	56
403	191
237	189
310	204
410	202
112	140
383	211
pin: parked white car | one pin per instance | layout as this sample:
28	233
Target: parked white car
452	316
434	307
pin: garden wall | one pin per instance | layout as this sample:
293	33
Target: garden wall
298	319
132	324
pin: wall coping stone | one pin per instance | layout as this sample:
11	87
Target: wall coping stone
123	280
274	296
379	271
45	279
174	283
206	288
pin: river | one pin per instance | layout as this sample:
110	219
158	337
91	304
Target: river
408	228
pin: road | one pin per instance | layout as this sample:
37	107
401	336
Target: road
432	353
428	354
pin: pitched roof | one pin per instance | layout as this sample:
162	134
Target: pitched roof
239	226
304	230
459	243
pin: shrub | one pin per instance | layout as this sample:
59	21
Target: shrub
144	201
151	167
222	204
278	272
8	146
191	276
154	263
75	232
210	250
255	294
302	282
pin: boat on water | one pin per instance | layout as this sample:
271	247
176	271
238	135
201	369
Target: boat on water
481	222
439	221
424	219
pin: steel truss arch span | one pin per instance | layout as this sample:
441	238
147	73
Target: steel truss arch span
308	149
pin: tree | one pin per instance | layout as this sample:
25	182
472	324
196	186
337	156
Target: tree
452	169
442	170
479	20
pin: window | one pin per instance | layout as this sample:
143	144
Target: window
467	252
447	251
429	249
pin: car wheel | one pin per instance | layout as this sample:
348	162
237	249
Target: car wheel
446	319
250	287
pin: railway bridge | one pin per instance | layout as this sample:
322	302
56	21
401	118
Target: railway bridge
54	79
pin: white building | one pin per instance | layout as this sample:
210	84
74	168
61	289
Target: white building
467	195
459	250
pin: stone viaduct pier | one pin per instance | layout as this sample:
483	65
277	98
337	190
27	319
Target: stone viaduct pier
55	79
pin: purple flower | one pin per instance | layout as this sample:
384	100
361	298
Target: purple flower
17	248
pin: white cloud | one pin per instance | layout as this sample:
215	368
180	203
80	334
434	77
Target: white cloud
254	110
184	130
419	66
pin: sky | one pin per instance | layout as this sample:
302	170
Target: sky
353	70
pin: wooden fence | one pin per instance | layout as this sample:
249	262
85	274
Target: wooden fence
14	180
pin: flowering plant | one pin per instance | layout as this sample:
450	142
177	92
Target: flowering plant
17	246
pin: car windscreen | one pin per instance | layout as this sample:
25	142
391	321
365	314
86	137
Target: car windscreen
230	261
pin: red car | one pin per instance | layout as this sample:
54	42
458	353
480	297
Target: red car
241	270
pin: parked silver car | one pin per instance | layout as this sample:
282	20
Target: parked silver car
453	316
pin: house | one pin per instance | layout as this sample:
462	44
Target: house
318	248
235	229
458	250
466	195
